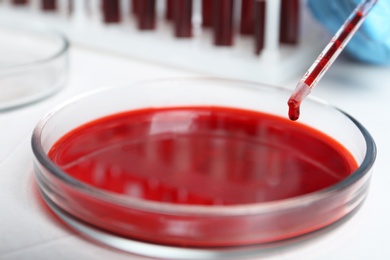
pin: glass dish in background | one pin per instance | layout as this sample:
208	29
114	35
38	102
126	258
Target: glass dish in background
33	63
225	226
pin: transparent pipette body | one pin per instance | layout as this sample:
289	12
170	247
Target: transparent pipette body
329	54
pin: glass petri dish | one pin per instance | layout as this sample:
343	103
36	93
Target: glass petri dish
203	230
33	63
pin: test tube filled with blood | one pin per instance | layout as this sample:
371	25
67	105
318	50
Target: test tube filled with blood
247	17
48	5
259	27
207	9
147	15
111	11
223	22
20	2
289	21
183	18
169	6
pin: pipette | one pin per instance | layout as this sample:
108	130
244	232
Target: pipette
328	56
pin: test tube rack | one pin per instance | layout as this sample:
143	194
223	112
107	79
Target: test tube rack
275	64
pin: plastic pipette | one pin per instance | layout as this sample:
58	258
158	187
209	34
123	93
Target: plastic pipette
328	56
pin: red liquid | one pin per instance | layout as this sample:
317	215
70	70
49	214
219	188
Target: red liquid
289	21
183	18
223	22
247	17
147	14
327	56
20	2
323	61
49	5
135	6
293	109
202	155
111	11
169	6
207	14
259	25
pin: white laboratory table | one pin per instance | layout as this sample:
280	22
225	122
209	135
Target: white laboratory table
28	230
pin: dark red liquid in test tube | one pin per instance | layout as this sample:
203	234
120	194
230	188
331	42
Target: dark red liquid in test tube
147	15
135	6
223	22
48	5
111	11
20	2
183	18
289	21
259	27
169	6
207	13
247	17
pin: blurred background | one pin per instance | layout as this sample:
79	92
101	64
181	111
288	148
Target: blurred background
266	41
118	42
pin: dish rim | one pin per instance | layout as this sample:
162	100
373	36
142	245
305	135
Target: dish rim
214	210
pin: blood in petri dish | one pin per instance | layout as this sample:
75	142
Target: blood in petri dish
49	5
111	11
202	156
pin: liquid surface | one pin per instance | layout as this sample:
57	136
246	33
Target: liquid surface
202	155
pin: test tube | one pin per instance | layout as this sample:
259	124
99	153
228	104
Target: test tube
182	14
135	6
207	8
48	5
147	15
259	27
289	21
169	6
223	22
111	11
247	17
20	2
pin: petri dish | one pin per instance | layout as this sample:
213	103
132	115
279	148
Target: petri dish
33	63
230	202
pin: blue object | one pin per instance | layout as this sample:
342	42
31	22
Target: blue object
371	43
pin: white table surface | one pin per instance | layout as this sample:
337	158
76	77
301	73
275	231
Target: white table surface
28	230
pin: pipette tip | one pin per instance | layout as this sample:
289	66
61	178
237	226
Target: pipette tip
302	90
